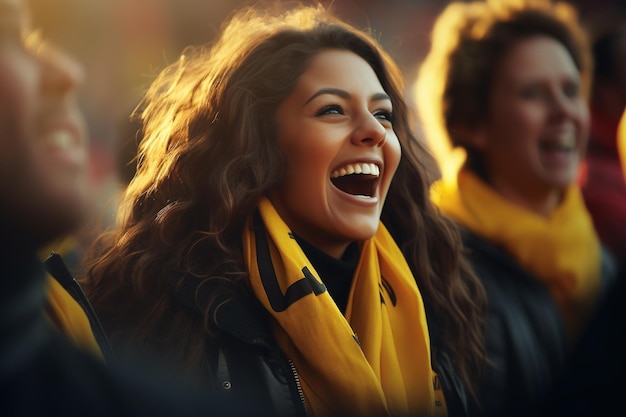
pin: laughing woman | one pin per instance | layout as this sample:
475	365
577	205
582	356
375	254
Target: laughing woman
278	241
505	82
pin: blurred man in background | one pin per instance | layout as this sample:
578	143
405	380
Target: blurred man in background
43	196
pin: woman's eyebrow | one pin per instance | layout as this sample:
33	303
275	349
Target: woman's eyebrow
380	97
344	94
334	91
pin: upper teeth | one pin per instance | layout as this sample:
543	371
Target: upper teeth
357	168
566	142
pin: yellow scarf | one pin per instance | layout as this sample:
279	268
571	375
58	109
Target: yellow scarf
386	370
562	251
66	315
69	318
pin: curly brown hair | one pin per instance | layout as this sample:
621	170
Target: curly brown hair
209	154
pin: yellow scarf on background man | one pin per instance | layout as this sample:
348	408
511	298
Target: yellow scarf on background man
563	251
69	318
375	361
64	313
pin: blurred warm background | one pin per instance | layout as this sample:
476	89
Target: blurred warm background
123	44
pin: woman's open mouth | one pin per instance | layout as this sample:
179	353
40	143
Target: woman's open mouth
359	178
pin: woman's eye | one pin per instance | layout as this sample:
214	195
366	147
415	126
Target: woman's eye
330	109
384	115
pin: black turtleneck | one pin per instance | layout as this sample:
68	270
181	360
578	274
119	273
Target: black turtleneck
337	274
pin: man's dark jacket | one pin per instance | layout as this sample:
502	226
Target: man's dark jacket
526	341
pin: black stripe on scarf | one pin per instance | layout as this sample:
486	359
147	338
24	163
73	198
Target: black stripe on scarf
304	286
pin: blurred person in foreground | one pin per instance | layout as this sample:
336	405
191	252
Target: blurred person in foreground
505	82
602	180
43	196
278	238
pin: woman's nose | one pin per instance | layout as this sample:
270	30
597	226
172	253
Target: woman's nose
369	131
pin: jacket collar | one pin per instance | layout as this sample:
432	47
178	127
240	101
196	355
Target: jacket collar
238	314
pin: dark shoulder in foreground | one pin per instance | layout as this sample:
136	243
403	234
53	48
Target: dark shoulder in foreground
61	380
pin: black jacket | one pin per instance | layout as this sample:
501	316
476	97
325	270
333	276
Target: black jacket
593	383
43	374
525	336
249	366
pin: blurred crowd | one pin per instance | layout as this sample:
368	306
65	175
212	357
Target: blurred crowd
405	208
124	44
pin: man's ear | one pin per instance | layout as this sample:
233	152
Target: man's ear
471	136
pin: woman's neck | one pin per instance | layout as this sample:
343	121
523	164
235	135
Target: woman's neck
336	274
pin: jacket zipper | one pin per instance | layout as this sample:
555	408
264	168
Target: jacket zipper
298	385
